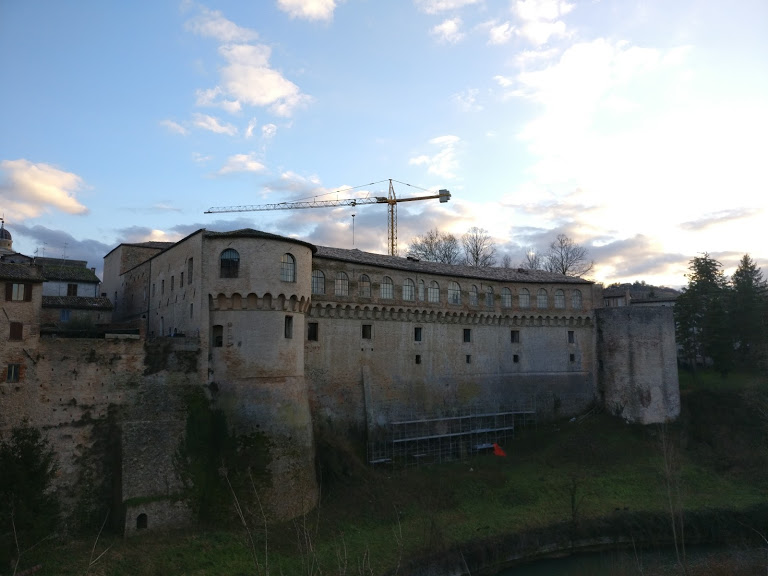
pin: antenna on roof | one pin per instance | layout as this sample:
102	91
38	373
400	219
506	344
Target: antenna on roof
353	230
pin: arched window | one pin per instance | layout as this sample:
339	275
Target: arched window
473	295
433	294
421	290
559	299
318	282
576	299
541	299
230	263
489	297
506	298
288	268
341	287
364	286
387	288
141	522
409	290
454	293
524	298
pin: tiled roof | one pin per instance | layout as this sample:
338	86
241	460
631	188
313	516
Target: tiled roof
78	302
153	244
399	263
69	273
251	233
20	272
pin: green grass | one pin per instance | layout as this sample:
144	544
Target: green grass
379	519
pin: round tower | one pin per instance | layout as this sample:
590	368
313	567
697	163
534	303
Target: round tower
259	290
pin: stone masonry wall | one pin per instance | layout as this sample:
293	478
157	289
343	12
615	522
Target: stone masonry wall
638	363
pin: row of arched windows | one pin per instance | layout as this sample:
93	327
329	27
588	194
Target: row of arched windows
229	266
412	292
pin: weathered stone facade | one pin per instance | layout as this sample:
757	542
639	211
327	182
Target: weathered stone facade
281	336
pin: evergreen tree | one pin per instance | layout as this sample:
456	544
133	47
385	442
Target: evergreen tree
749	307
701	314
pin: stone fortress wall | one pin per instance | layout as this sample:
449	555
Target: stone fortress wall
281	355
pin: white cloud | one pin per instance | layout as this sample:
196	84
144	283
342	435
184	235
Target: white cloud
308	9
213	124
174	127
437	6
213	97
444	163
532	10
251	126
501	34
467	99
212	24
541	19
504	81
242	163
248	78
31	189
200	158
448	30
268	131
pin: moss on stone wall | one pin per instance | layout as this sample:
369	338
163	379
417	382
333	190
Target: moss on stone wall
214	464
97	491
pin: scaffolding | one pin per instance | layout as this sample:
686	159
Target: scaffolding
448	438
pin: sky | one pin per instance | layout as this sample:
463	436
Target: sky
636	128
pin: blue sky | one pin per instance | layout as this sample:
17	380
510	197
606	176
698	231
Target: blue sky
636	128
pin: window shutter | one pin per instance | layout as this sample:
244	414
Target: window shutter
27	292
8	290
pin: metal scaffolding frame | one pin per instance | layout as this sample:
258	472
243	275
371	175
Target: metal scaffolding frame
448	438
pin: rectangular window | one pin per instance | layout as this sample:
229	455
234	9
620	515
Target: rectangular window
312	331
18	292
367	331
71	289
181	280
218	336
153	290
17	330
13	373
172	283
515	358
571	337
162	287
190	267
64	315
469	359
418	358
417	334
573	357
515	335
191	309
467	335
289	326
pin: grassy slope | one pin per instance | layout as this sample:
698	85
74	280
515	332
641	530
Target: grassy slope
377	519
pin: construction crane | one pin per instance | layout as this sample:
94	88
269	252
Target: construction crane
390	200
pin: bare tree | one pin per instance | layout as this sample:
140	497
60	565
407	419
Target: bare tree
435	246
533	260
506	261
479	248
567	257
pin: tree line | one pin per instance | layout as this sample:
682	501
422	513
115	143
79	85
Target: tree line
476	248
723	322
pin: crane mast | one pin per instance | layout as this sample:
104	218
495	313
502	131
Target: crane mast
390	200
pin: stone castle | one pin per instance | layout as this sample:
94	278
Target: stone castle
284	337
